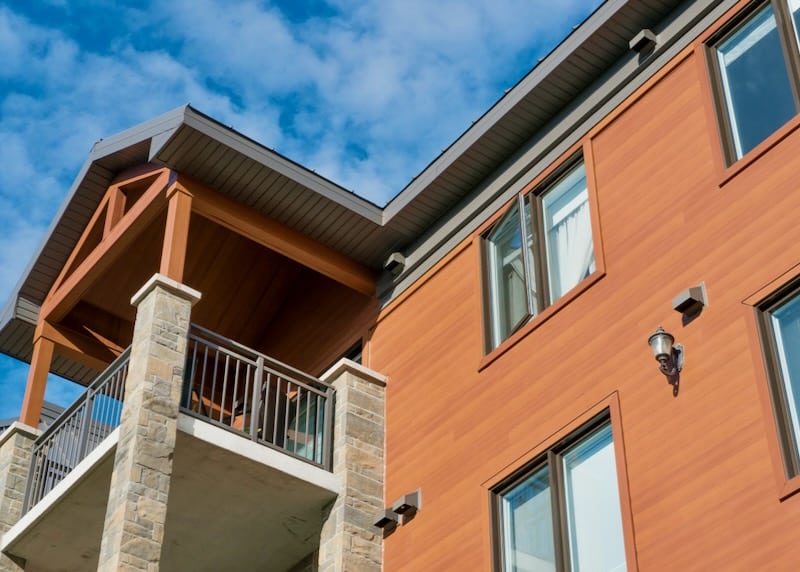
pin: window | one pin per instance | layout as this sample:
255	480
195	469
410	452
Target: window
563	513
757	65
540	249
780	330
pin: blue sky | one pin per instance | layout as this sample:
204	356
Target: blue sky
365	92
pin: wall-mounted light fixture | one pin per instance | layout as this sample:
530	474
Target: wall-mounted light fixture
691	302
669	356
388	521
644	42
408	504
395	264
402	511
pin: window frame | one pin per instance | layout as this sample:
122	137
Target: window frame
789	445
552	457
536	267
790	49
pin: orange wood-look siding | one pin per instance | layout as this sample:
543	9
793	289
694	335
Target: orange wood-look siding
317	323
703	485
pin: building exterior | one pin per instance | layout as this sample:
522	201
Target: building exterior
50	412
506	413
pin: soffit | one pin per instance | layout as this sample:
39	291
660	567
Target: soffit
556	82
277	187
195	145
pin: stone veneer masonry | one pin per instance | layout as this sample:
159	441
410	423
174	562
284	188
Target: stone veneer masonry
16	446
349	541
137	501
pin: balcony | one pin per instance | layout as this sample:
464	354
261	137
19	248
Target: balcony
269	402
251	470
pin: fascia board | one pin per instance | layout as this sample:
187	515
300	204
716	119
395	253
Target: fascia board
507	103
101	149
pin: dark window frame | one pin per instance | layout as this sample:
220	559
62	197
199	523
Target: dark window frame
551	458
791	58
538	274
789	446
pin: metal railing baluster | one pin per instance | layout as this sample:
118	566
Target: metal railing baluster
76	432
270	409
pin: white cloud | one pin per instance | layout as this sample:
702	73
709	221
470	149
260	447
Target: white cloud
367	94
398	78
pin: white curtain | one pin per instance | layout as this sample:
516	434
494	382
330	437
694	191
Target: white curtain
569	240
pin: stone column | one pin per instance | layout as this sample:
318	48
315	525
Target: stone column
16	446
349	540
137	501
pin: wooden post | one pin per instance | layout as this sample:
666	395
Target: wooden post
176	233
37	381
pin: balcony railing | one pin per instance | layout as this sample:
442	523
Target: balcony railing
258	397
225	383
77	431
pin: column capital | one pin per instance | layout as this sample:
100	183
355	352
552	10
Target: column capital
173	286
16	427
345	365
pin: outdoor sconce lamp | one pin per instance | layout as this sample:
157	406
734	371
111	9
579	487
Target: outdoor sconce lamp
387	520
668	354
407	504
402	511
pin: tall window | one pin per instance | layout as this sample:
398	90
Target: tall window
758	73
540	249
780	320
564	512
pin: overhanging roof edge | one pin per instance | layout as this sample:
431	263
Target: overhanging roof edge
503	106
291	169
100	149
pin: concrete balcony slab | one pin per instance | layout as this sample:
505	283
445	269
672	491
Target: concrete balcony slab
233	505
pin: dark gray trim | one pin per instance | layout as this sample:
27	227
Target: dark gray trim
505	105
50	412
790	449
270	158
427	219
535	271
791	56
552	459
563	132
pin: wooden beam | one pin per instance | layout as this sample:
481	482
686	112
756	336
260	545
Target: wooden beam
116	208
100	259
32	402
277	236
81	244
136	173
90	350
176	233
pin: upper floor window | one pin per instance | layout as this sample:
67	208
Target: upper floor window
780	321
563	513
757	65
540	248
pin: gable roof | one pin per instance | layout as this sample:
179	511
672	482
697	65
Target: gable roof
195	145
